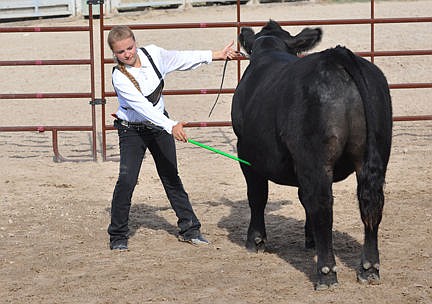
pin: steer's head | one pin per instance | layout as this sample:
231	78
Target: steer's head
273	37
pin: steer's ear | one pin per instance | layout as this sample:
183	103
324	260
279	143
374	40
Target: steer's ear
305	40
246	39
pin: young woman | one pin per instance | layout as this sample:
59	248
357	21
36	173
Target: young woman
142	122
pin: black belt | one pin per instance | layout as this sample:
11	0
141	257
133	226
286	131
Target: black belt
146	124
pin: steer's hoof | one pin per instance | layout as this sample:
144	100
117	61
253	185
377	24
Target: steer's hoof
320	286
257	245
369	274
327	279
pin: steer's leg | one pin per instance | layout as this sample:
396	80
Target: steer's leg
371	198
257	192
309	237
316	197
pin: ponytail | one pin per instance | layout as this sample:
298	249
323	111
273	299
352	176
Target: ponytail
123	69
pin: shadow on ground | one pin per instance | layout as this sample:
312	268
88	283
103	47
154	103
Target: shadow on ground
285	234
286	237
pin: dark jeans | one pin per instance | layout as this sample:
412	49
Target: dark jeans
134	142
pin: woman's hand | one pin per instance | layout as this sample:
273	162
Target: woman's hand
226	52
179	133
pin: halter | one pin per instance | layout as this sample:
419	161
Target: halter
225	65
268	36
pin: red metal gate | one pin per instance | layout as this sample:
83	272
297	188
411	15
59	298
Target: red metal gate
372	54
40	95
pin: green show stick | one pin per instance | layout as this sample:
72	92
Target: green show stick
218	151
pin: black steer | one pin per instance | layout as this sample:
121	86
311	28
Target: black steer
308	122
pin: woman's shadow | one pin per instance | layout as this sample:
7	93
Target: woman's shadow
285	237
142	215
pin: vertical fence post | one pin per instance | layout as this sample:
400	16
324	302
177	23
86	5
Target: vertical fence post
93	101
102	71
238	44
372	57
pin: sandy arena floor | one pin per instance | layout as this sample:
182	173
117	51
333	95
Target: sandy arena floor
54	216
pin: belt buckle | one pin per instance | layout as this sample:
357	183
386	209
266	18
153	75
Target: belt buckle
123	122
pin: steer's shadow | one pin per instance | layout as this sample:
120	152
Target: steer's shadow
285	237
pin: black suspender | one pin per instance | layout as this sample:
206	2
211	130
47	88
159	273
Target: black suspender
152	63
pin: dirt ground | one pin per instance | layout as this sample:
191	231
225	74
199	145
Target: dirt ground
54	216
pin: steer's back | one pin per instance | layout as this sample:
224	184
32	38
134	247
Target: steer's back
287	113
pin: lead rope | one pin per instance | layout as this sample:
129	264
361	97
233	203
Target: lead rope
223	77
220	89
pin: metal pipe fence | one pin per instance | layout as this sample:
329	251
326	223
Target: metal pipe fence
238	24
94	102
41	96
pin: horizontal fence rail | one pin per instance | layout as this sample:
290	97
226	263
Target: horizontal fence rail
44	29
54	130
196	25
46	62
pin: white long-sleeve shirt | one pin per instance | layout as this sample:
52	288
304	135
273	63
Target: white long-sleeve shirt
133	105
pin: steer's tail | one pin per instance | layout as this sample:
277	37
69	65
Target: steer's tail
374	91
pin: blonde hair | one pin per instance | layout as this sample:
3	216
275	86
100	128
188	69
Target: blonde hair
117	33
